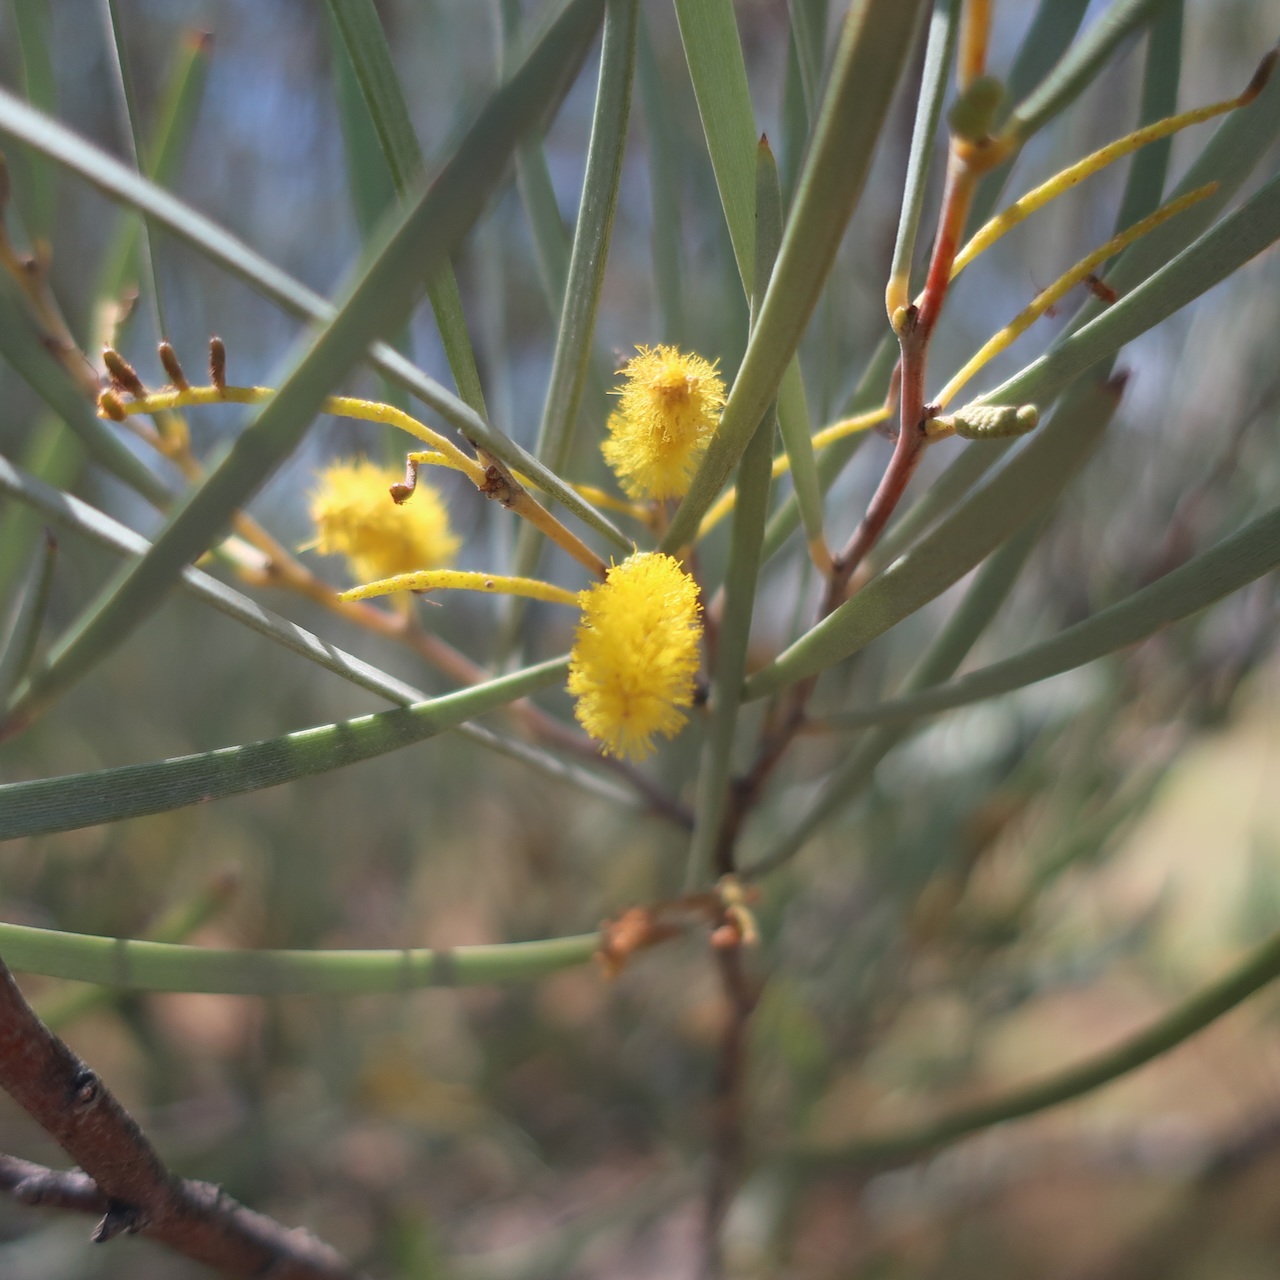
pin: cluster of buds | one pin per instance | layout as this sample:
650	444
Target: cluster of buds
124	379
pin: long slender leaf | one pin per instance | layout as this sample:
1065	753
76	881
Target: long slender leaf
52	453
22	628
110	795
130	131
1259	968
591	236
361	30
809	29
872	51
1031	481
664	189
373	193
381	299
36	194
1079	65
719	73
593	230
1162	73
71	513
743	572
62	1006
533	177
159	966
1230	565
118	183
709	32
162	158
944	28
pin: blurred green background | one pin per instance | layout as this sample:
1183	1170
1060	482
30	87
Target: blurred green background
1078	856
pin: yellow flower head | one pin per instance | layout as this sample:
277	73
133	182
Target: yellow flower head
668	413
635	654
356	517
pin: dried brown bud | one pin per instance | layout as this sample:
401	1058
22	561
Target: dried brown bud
1260	78
109	404
123	374
218	363
169	358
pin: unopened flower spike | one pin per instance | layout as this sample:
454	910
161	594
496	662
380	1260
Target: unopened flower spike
635	656
356	518
668	411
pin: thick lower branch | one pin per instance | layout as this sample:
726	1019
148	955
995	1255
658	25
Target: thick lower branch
123	1176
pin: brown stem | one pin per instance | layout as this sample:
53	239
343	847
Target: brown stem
915	325
727	1103
123	1177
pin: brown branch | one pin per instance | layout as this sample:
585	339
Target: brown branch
123	1177
727	1100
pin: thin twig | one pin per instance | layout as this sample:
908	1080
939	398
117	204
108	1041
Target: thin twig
727	1102
123	1176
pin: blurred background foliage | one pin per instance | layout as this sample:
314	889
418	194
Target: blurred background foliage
1027	880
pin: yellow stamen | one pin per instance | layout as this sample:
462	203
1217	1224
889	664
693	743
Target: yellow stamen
635	656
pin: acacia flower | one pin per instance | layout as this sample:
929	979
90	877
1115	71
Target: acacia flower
635	654
668	411
355	517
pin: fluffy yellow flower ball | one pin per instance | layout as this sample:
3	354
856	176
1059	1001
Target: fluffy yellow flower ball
635	654
668	411
356	517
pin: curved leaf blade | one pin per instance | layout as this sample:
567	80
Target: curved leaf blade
133	791
379	301
160	966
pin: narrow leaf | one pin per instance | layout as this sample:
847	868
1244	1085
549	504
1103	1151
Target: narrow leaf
1259	968
36	194
872	51
1230	565
944	27
380	300
1162	73
71	513
118	183
53	454
361	30
592	231
664	189
741	575
163	157
159	966
110	795
871	390
1079	65
709	31
22	629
